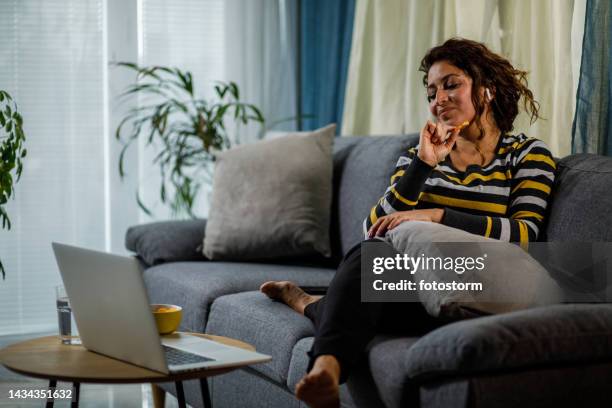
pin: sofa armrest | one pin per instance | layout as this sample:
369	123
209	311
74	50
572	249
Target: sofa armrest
543	336
167	241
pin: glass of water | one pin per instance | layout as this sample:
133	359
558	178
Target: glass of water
67	327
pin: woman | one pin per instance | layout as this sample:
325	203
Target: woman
467	172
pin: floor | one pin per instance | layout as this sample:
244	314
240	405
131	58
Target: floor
92	395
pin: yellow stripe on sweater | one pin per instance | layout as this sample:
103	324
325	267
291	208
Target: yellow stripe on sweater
527	214
533	185
373	216
457	202
498	175
489	226
514	146
399	173
402	199
524	234
539	158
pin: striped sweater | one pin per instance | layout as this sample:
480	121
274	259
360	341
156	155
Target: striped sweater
505	200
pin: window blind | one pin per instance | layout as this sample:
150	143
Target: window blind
51	62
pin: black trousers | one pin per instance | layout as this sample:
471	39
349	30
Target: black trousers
344	325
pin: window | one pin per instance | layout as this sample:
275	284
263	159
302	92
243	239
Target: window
51	62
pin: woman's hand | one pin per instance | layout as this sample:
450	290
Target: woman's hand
388	222
436	142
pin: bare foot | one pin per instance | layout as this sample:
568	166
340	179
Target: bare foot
289	293
320	387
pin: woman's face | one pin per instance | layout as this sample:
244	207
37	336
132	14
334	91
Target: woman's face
449	92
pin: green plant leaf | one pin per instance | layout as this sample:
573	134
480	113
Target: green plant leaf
121	170
125	64
183	128
141	205
18	118
221	89
258	114
6	222
186	80
234	90
19	170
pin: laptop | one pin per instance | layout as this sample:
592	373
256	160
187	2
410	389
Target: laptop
112	312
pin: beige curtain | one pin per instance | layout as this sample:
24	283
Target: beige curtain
374	98
385	95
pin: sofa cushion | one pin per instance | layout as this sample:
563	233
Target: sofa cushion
362	170
195	285
579	211
510	278
272	198
544	336
272	327
167	241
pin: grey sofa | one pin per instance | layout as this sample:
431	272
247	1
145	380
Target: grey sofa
551	356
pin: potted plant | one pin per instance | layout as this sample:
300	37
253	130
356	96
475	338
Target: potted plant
188	129
12	151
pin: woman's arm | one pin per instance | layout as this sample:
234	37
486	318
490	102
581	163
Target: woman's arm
412	170
405	187
529	196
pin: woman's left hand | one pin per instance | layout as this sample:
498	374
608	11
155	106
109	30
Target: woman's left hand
388	222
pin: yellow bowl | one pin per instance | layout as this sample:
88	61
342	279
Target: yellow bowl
167	317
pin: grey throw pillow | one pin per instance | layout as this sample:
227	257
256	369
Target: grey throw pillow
272	198
511	278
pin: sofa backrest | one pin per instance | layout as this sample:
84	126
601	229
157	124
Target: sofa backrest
581	208
363	166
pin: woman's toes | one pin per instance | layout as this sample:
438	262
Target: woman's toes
272	289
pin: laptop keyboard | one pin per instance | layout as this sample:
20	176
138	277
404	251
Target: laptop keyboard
180	357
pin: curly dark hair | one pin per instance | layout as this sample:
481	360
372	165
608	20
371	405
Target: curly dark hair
489	70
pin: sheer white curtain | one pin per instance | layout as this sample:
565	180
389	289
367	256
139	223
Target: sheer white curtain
51	62
260	57
384	91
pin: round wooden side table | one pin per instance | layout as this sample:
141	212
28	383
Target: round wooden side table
48	358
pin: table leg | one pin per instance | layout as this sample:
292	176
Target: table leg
50	400
159	396
205	393
180	394
76	391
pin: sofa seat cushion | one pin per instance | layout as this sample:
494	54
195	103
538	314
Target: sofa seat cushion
195	285
272	327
